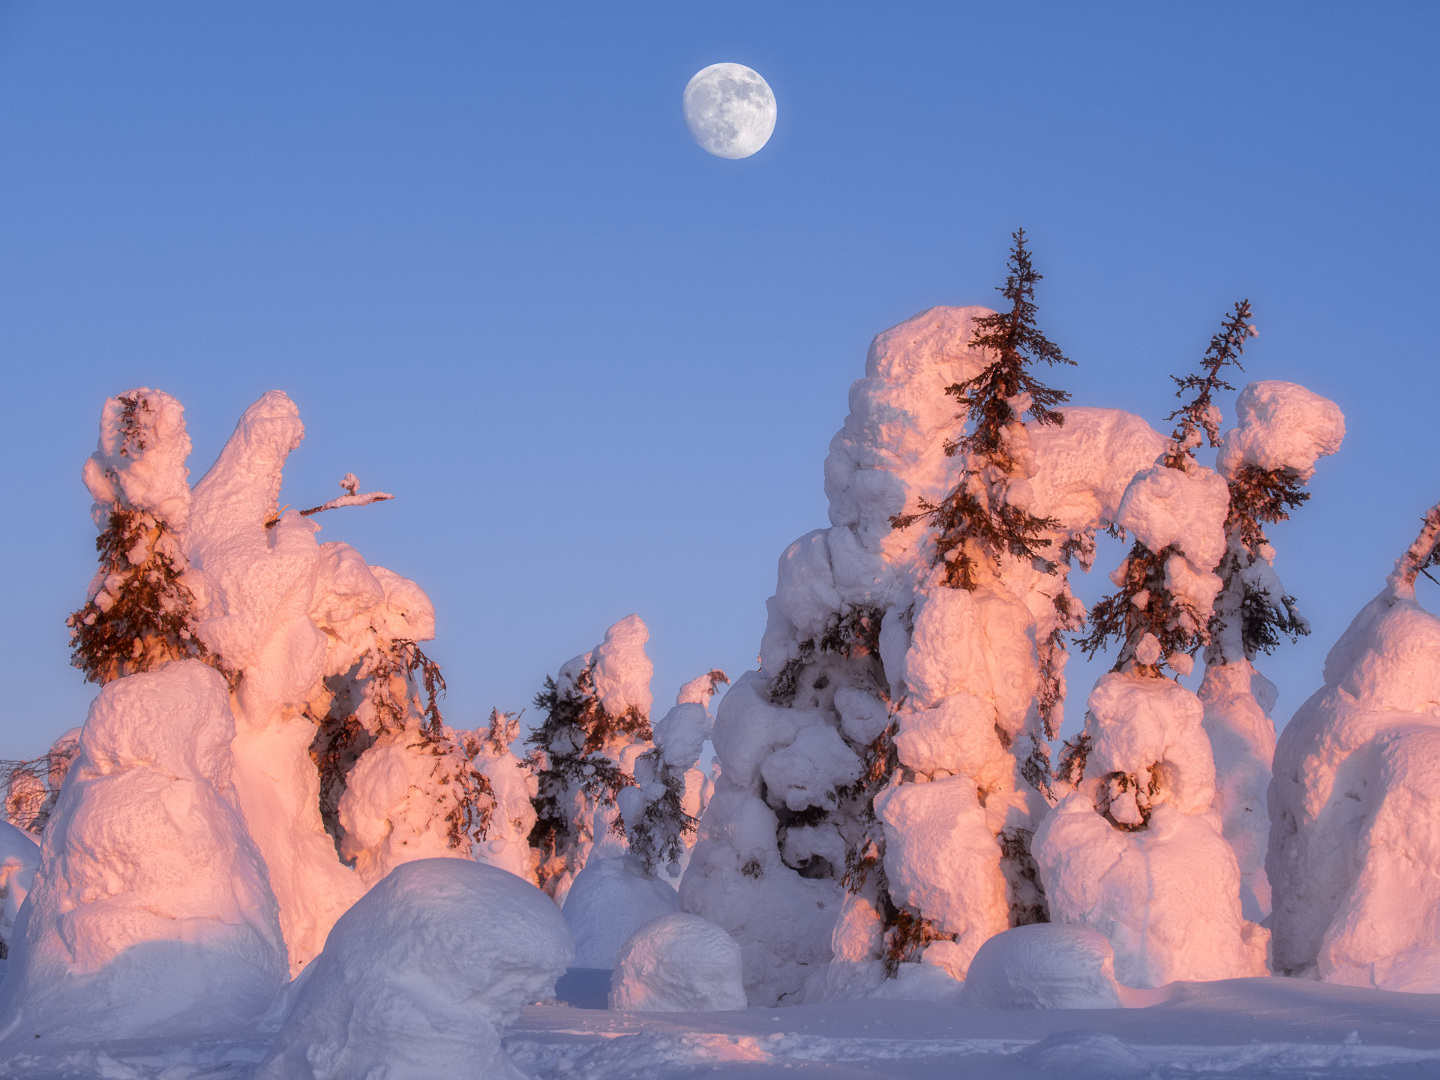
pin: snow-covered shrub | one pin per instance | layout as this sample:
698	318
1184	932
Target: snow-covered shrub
1354	858
151	911
19	857
611	898
1135	850
421	977
678	963
31	787
661	810
1043	966
596	724
1266	459
138	613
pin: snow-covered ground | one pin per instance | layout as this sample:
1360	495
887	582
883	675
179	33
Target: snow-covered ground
1270	1027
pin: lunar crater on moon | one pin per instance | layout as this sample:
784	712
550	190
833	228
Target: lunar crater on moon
730	110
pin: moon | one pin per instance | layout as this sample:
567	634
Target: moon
729	110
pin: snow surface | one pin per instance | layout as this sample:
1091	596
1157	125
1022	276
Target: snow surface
419	979
611	898
678	963
151	912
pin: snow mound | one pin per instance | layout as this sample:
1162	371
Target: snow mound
151	912
611	898
1354	859
1085	1053
1043	966
19	856
421	976
1280	425
678	963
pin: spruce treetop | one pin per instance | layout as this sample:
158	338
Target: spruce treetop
977	523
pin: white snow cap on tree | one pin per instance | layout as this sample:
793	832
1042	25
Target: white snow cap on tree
141	458
421	978
1280	425
151	913
1354	859
622	670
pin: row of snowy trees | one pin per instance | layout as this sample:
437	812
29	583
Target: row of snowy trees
267	744
887	800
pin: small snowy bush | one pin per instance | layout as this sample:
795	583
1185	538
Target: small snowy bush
421	977
678	963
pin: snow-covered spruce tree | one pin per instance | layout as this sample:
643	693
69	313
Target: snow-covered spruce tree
1266	459
803	742
1135	849
1354	858
596	724
661	809
138	613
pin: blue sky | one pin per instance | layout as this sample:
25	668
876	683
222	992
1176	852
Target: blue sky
600	368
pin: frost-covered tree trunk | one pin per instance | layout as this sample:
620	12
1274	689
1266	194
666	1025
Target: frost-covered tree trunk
596	725
1135	849
1355	800
1266	460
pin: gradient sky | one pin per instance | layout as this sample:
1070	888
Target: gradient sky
600	368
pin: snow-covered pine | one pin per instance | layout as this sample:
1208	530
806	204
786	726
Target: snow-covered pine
991	554
1266	459
1134	849
660	811
1353	839
596	723
139	610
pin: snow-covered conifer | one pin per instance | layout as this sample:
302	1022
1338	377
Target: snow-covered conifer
662	808
990	544
850	656
514	787
596	724
1135	850
138	613
1353	839
1266	459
